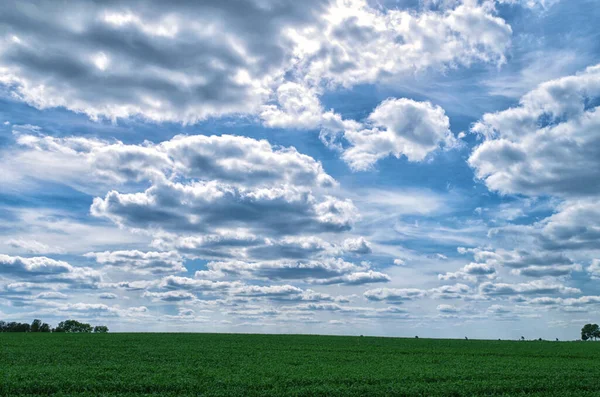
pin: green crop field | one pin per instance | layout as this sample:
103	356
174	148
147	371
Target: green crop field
291	365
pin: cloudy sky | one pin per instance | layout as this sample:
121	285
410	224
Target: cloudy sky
380	167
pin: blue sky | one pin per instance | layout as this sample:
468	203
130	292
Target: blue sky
391	168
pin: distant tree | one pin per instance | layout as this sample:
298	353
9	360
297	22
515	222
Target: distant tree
16	327
73	326
522	338
417	337
102	329
466	338
590	331
44	328
35	325
13	326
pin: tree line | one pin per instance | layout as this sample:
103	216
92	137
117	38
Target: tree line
68	326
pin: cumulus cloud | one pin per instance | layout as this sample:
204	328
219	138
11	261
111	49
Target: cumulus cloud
357	245
594	268
362	44
200	206
544	271
192	284
471	272
357	278
140	262
447	309
536	287
46	270
575	226
205	192
170	296
231	159
326	271
394	295
554	121
136	58
149	59
401	295
398	127
532	263
566	302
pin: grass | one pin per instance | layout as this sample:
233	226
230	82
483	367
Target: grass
291	365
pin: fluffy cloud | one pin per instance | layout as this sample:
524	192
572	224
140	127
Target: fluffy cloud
401	295
567	302
198	285
357	278
357	246
46	270
361	44
166	63
471	272
175	62
447	309
196	181
231	159
594	268
200	206
394	295
326	271
532	288
557	120
140	262
398	127
170	296
576	226
229	244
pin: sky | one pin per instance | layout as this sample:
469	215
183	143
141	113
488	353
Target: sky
392	168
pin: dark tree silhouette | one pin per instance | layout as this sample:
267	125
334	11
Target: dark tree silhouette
14	327
73	326
102	329
590	331
36	325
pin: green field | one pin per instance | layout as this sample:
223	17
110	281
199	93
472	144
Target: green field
291	365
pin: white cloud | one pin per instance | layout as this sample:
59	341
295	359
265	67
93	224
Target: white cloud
136	61
33	246
140	262
398	127
552	122
361	44
534	287
447	309
41	269
471	272
233	159
394	295
357	245
202	206
325	271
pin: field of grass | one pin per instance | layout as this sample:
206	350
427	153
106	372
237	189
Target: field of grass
291	365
